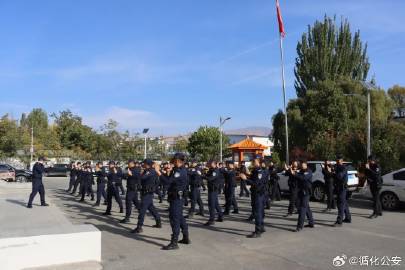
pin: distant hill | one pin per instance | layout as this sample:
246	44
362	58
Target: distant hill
256	131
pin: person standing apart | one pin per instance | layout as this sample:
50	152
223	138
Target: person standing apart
329	185
304	185
375	181
37	185
341	178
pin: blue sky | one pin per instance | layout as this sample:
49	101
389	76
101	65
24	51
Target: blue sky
172	65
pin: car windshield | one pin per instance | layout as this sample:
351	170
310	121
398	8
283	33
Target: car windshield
59	165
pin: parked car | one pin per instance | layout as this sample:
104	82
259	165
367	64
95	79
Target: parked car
57	170
10	173
392	192
318	183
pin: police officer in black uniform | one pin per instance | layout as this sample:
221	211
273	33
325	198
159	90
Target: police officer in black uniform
149	180
340	179
177	184
214	179
243	188
292	185
304	186
327	171
37	185
101	175
275	194
258	182
230	185
375	181
112	190
119	179
78	177
133	187
195	182
72	176
87	182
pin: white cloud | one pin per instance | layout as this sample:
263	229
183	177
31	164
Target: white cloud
128	119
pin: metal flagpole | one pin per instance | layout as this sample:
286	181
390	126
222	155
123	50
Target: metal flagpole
287	158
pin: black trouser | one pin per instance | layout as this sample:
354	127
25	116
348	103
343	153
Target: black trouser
101	192
131	198
76	184
195	198
71	183
37	186
230	200
86	188
243	189
120	187
275	192
329	192
377	208
112	191
293	200
304	210
343	207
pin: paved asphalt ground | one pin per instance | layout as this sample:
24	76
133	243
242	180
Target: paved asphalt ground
225	246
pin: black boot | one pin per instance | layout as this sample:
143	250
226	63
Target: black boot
254	235
186	240
158	224
121	210
125	220
236	211
173	244
209	223
137	230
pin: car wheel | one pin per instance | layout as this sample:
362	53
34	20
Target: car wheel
21	179
318	192
389	201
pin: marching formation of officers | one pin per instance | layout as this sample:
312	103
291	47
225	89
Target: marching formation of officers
182	183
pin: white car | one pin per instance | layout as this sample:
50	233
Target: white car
318	182
392	191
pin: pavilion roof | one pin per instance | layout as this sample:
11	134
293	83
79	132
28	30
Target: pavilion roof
248	143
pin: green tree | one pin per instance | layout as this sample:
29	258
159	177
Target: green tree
204	143
9	142
329	52
180	144
397	94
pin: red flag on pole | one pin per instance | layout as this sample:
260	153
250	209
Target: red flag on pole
280	20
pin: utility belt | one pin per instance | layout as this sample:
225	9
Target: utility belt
148	189
195	185
213	188
174	195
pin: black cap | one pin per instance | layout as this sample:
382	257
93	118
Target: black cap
148	162
179	156
112	162
229	162
339	156
131	161
41	158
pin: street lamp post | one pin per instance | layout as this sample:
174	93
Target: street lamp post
369	87
221	123
145	131
32	144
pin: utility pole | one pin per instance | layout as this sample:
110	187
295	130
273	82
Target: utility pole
32	145
145	131
221	123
